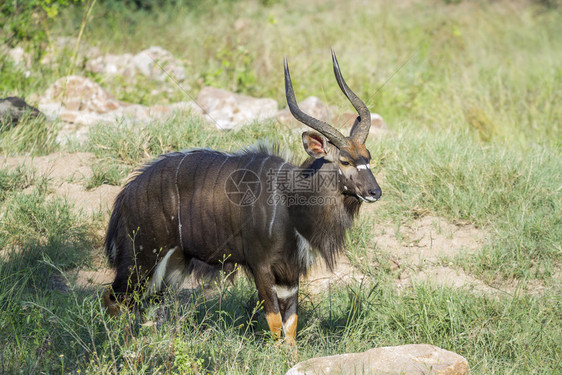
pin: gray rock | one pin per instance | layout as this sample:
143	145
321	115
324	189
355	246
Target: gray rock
79	103
228	110
18	55
76	93
112	65
414	359
159	64
13	108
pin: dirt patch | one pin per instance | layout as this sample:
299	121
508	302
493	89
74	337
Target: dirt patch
68	174
419	251
58	166
443	276
422	251
427	241
320	278
88	279
95	200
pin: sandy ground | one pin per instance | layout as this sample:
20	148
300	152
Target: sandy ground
67	174
419	251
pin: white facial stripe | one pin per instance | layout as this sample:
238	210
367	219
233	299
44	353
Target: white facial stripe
344	187
283	292
362	166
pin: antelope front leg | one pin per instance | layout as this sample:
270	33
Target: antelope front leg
266	293
288	301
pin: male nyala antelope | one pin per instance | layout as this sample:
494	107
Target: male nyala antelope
203	210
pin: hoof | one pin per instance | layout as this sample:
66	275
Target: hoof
111	303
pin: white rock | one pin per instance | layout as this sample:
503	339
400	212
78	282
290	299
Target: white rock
157	63
51	110
415	359
228	110
113	65
75	93
20	57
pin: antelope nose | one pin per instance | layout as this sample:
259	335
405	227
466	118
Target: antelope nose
376	193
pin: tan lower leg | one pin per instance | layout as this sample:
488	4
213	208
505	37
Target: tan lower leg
290	327
275	323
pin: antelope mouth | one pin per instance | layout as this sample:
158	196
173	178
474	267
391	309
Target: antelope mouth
367	199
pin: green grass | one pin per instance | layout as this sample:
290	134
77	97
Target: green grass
41	226
474	120
30	136
39	238
225	333
493	68
15	179
515	196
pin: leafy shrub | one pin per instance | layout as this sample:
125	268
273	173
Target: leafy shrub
28	20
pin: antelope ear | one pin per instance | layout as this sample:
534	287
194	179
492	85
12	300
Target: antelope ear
315	144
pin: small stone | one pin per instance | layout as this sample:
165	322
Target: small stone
20	58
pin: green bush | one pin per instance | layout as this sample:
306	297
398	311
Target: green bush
29	20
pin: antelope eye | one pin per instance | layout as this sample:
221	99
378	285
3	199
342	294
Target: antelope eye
343	162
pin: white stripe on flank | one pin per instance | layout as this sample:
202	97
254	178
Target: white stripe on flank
362	166
186	154
275	205
283	292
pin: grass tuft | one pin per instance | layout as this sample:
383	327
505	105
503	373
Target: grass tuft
29	137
